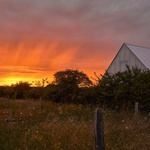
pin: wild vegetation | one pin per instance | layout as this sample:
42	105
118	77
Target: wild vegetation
123	89
116	92
60	115
24	125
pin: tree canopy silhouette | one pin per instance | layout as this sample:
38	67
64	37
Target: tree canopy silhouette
72	77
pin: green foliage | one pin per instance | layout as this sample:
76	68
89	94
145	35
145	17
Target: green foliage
51	92
2	89
21	90
67	85
123	89
35	92
89	95
72	78
118	91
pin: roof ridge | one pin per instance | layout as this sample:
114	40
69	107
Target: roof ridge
136	45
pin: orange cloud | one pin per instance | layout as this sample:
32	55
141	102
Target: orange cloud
30	61
39	38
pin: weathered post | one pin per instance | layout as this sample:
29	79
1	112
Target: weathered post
99	130
136	111
41	106
148	117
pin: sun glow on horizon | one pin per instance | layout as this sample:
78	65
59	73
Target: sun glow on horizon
15	74
12	79
28	62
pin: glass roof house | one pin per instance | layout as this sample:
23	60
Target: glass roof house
131	55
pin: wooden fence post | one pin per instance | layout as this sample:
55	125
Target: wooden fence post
148	117
136	111
41	106
99	130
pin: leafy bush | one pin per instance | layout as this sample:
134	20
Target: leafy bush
117	91
123	89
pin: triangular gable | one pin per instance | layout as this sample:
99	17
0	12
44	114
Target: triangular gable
130	55
142	53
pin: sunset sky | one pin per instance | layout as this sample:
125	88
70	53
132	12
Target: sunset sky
41	37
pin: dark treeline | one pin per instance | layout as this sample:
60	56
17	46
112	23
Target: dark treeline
118	91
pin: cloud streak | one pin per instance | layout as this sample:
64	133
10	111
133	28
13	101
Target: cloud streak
73	34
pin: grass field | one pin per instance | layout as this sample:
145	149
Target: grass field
25	126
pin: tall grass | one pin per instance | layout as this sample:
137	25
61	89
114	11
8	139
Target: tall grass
56	127
123	133
66	127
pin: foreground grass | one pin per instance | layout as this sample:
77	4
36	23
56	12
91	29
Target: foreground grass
56	127
66	127
123	133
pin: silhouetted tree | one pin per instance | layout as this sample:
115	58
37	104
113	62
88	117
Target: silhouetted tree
21	90
68	82
72	78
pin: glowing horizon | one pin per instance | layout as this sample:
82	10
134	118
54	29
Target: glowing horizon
16	77
32	61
